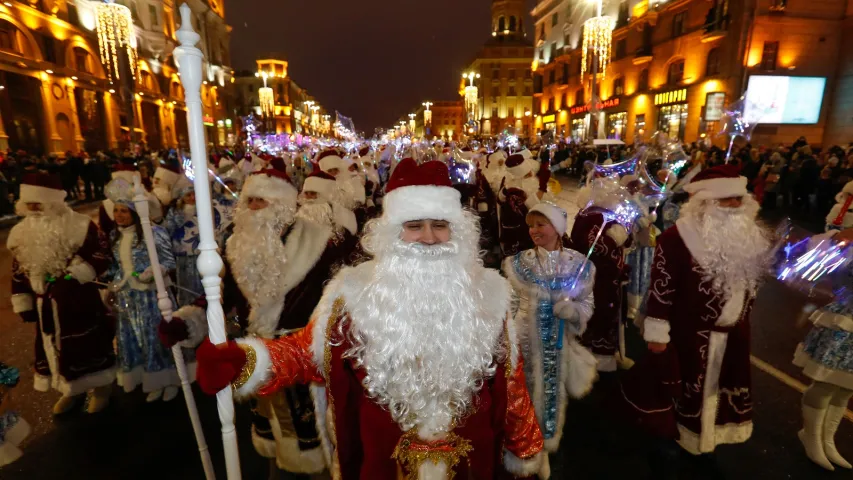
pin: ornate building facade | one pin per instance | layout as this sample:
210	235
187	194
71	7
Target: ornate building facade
504	85
56	94
675	64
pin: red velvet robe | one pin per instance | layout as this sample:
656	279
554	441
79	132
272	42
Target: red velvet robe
359	436
74	339
708	338
514	234
602	331
278	418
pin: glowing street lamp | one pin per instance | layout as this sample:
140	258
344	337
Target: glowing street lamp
471	94
427	114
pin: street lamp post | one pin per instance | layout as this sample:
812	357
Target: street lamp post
597	37
427	118
412	122
266	98
471	96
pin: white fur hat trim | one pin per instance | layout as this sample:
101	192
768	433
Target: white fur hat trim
330	162
322	186
717	188
269	188
38	194
421	202
556	215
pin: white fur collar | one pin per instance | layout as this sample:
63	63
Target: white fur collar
345	217
303	247
350	282
75	226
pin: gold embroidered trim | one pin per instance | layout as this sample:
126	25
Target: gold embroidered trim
412	451
248	367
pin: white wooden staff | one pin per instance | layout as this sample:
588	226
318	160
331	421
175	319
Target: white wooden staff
165	305
209	262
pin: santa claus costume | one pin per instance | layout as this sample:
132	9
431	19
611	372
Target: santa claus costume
702	289
608	255
57	253
397	395
554	289
165	178
320	203
276	266
518	192
826	354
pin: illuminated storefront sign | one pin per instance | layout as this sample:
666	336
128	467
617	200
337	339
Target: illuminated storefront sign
549	118
207	120
612	102
674	96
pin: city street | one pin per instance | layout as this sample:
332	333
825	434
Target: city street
135	440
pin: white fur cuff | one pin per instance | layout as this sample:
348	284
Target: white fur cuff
82	271
656	330
618	233
22	302
195	319
263	368
525	467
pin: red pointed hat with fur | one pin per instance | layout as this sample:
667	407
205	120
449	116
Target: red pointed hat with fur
420	192
41	188
320	182
722	181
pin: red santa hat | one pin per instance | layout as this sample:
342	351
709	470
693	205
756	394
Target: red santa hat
272	183
722	181
329	159
321	183
125	171
42	188
167	175
363	151
419	192
518	166
556	215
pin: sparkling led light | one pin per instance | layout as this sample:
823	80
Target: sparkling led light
597	41
267	100
115	31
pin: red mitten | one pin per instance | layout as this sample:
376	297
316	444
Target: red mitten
171	333
218	365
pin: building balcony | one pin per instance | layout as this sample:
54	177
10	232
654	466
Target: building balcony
643	55
715	28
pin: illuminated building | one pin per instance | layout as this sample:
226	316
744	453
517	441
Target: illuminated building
447	120
57	95
292	107
675	64
505	84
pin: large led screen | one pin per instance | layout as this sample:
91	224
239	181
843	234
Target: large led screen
784	100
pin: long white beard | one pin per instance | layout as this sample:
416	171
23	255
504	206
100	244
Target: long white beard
256	252
351	191
316	211
530	185
736	247
420	331
47	249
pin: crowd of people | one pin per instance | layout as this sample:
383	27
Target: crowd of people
428	311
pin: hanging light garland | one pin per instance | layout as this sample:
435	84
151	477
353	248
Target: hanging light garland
115	32
267	100
597	37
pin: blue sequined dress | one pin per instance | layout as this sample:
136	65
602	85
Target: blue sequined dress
826	354
183	231
556	365
142	359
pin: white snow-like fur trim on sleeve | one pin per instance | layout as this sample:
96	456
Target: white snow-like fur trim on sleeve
81	270
581	369
525	467
195	319
656	330
263	368
22	302
618	233
420	202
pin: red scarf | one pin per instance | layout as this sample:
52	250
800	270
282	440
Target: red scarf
840	218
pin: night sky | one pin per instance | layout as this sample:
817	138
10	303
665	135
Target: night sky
372	60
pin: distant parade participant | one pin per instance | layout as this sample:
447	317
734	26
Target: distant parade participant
226	194
182	224
417	372
56	254
518	192
277	264
142	359
165	178
554	305
319	203
706	272
124	171
349	183
608	256
826	354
